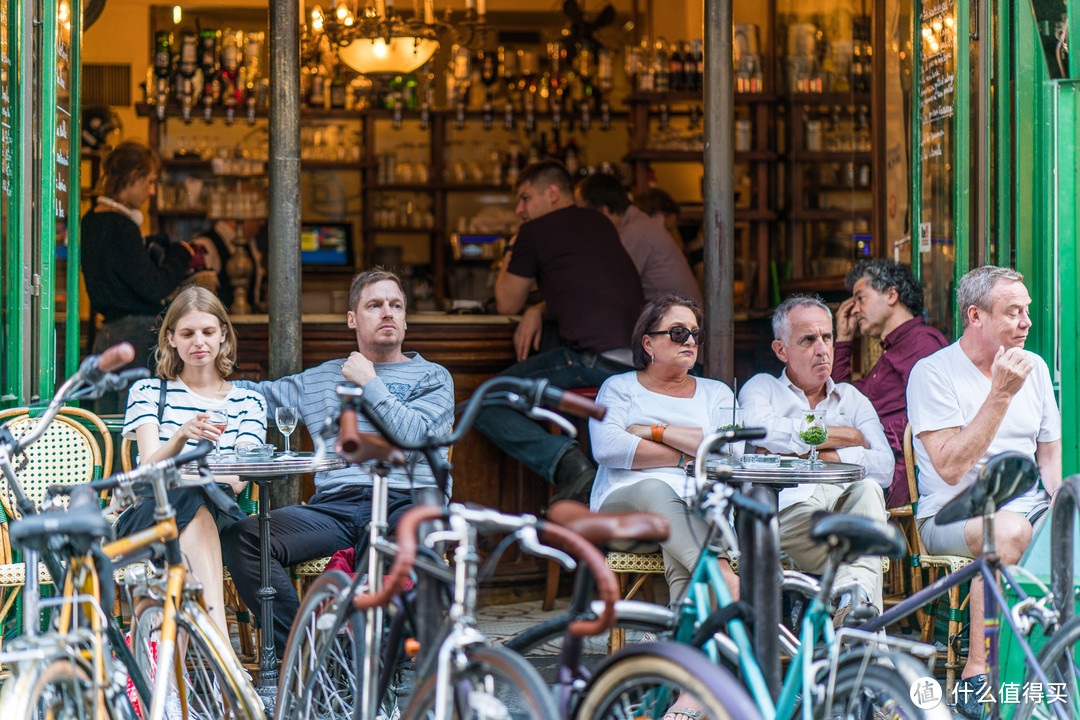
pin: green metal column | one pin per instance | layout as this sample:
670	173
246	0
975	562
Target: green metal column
46	305
961	161
14	157
74	43
916	140
1067	234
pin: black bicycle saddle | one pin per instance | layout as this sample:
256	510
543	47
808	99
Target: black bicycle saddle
83	519
1004	477
860	535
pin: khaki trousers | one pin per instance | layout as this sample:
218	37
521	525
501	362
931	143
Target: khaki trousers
864	498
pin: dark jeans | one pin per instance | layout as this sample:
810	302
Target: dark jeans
530	442
328	523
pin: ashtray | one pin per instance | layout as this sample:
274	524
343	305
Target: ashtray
255	452
755	460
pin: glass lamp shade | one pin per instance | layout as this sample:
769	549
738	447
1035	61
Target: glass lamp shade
401	55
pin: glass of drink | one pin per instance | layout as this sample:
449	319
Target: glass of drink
285	417
813	431
731	419
219	421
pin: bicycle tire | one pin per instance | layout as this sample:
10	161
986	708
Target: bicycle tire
1059	659
311	687
58	687
629	615
493	676
877	690
215	679
644	681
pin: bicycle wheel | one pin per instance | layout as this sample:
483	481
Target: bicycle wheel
629	615
217	686
645	681
318	678
879	689
494	683
1060	659
55	688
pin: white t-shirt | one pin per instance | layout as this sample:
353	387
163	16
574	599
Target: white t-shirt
246	410
946	390
629	403
778	405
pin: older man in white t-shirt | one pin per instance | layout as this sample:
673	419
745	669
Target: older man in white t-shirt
983	395
803	332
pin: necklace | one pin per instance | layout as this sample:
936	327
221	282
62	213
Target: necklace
659	385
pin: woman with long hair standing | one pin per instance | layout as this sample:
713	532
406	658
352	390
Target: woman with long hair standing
127	276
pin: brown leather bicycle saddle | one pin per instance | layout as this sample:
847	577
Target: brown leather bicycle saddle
1004	477
860	535
605	528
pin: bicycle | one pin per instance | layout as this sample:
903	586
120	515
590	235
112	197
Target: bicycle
321	623
1004	477
831	673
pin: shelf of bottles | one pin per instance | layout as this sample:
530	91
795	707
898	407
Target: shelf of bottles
827	68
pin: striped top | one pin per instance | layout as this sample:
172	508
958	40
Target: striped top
246	411
416	397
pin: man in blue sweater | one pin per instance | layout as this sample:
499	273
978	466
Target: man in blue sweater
413	395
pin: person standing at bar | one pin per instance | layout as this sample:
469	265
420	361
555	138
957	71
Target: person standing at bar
590	289
128	277
887	304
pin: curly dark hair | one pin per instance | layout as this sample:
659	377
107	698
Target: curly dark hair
883	274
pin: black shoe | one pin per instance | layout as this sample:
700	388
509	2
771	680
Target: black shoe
967	693
574	477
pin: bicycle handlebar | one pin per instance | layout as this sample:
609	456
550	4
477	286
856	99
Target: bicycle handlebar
607	586
197	453
356	447
116	357
407	528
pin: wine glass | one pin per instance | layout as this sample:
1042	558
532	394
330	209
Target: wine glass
219	421
285	417
813	431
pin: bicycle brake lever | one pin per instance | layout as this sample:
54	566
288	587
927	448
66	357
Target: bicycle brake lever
531	544
539	413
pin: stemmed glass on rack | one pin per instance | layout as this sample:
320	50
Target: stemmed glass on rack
813	431
285	417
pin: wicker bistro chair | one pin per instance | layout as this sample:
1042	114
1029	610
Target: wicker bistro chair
935	565
67	453
635	572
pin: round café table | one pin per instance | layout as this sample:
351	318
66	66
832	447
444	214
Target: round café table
760	542
262	472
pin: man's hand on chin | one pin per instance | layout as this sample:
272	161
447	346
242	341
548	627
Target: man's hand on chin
358	369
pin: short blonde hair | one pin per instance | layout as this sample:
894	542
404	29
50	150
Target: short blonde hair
194	299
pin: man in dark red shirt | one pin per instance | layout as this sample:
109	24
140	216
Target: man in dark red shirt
887	303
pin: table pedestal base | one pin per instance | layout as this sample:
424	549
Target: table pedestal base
266	687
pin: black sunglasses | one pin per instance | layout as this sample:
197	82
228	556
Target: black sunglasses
679	334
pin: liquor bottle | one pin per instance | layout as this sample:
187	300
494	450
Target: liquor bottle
253	42
208	63
647	77
857	67
508	71
338	91
530	85
605	81
187	66
162	70
557	79
661	73
459	62
868	68
675	67
232	92
689	67
697	54
571	158
317	95
488	61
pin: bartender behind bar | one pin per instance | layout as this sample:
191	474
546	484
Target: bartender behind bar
590	289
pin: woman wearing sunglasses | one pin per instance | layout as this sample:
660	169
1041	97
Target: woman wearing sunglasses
656	418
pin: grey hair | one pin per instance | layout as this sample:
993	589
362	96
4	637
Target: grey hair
781	326
977	288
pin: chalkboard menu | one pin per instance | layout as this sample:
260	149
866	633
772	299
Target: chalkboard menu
937	101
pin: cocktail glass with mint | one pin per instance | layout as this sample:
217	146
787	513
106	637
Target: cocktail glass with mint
813	431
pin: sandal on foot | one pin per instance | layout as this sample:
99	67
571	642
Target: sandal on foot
691	713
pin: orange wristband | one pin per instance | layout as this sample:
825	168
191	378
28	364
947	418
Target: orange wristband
658	432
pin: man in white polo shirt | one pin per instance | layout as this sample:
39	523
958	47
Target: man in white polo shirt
803	332
983	395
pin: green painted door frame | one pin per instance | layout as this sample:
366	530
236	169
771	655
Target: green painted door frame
40	206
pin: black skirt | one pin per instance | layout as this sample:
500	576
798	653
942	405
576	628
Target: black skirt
186	502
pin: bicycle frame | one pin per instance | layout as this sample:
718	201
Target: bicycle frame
986	566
